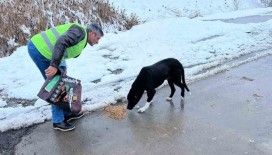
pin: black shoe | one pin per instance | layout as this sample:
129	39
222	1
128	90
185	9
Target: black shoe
73	116
63	126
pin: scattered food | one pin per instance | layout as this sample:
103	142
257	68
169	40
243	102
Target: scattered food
116	111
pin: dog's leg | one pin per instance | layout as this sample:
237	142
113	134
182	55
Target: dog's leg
146	106
150	95
179	84
173	89
177	80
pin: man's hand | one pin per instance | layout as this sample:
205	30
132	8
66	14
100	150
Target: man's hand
51	71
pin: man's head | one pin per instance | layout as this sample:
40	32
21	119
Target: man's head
94	32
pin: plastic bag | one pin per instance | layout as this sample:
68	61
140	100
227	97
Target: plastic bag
63	91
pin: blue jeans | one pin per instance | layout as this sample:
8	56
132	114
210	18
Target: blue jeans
42	63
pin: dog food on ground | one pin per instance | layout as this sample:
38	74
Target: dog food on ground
116	111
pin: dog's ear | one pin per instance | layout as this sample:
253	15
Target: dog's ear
134	97
130	94
138	94
130	99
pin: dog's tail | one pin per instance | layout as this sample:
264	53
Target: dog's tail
183	79
185	85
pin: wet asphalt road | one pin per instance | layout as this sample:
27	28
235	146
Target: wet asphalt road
229	113
10	138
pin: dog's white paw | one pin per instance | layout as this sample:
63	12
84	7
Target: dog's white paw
137	107
141	109
146	106
168	99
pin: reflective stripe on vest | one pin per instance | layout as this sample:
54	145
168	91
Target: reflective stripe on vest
49	44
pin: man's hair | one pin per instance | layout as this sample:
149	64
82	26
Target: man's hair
95	28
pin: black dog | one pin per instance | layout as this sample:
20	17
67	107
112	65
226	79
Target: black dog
150	77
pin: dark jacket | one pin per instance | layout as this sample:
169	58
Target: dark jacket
73	36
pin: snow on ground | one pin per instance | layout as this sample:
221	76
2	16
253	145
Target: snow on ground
154	9
108	69
2	103
238	13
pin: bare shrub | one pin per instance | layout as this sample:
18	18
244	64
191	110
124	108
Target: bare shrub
236	4
13	16
37	15
106	13
131	21
267	3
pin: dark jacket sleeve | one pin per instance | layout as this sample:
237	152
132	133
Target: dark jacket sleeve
73	36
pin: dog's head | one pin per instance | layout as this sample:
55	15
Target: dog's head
134	97
137	89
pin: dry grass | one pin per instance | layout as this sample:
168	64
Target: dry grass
37	15
131	21
13	16
116	112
